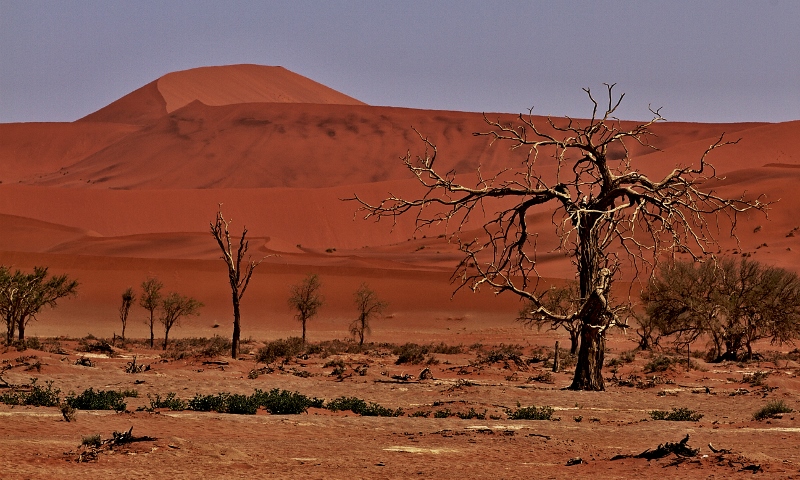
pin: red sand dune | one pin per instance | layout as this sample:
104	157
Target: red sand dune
128	191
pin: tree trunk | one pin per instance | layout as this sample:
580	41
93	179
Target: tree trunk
555	359
588	372
594	285
303	321
10	330
21	330
152	335
166	337
236	328
573	343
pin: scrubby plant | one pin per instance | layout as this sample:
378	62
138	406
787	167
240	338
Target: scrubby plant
682	414
658	363
338	365
208	403
239	404
170	401
68	412
421	413
530	413
361	407
90	399
755	379
410	353
443	413
130	393
771	410
282	348
471	414
38	396
283	402
91	440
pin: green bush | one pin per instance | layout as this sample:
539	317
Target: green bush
170	401
38	396
530	413
209	403
97	400
238	404
282	402
676	415
360	407
772	409
442	413
285	349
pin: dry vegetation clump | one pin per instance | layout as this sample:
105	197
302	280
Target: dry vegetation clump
530	413
33	395
194	347
772	410
284	349
90	344
682	414
361	407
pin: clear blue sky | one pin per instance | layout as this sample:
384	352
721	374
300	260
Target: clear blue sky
702	61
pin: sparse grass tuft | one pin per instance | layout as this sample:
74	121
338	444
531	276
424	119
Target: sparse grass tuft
682	414
530	413
170	401
360	407
771	410
280	349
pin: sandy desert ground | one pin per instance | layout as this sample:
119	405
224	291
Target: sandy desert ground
128	192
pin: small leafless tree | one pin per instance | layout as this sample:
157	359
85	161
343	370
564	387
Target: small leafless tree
128	297
562	301
150	301
238	276
597	199
306	299
369	306
174	307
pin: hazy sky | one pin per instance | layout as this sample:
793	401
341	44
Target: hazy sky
700	60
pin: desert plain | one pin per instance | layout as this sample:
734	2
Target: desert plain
128	192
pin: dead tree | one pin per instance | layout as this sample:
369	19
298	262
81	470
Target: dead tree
128	297
306	299
369	306
150	300
597	200
238	277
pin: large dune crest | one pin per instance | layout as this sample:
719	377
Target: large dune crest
215	86
245	84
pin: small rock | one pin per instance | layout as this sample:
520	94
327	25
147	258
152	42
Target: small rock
574	461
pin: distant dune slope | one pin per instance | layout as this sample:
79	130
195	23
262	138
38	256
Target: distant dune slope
129	190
